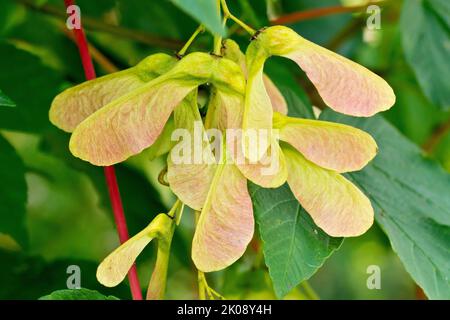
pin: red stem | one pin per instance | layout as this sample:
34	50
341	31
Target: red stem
111	180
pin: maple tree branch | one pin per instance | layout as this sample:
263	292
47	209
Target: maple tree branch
322	12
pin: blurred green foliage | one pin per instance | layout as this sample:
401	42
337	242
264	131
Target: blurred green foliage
54	209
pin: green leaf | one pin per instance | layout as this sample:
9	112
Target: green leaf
5	101
425	30
410	196
205	11
54	49
31	85
77	294
294	247
442	7
13	194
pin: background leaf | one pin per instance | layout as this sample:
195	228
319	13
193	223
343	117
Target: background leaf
31	85
77	294
294	247
53	48
425	30
13	193
5	101
410	197
205	11
25	276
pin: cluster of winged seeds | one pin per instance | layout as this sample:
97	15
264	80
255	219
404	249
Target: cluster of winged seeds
119	115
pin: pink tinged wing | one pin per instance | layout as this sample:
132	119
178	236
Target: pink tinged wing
227	110
335	204
75	104
191	178
129	124
258	107
114	268
279	104
226	223
330	145
344	85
